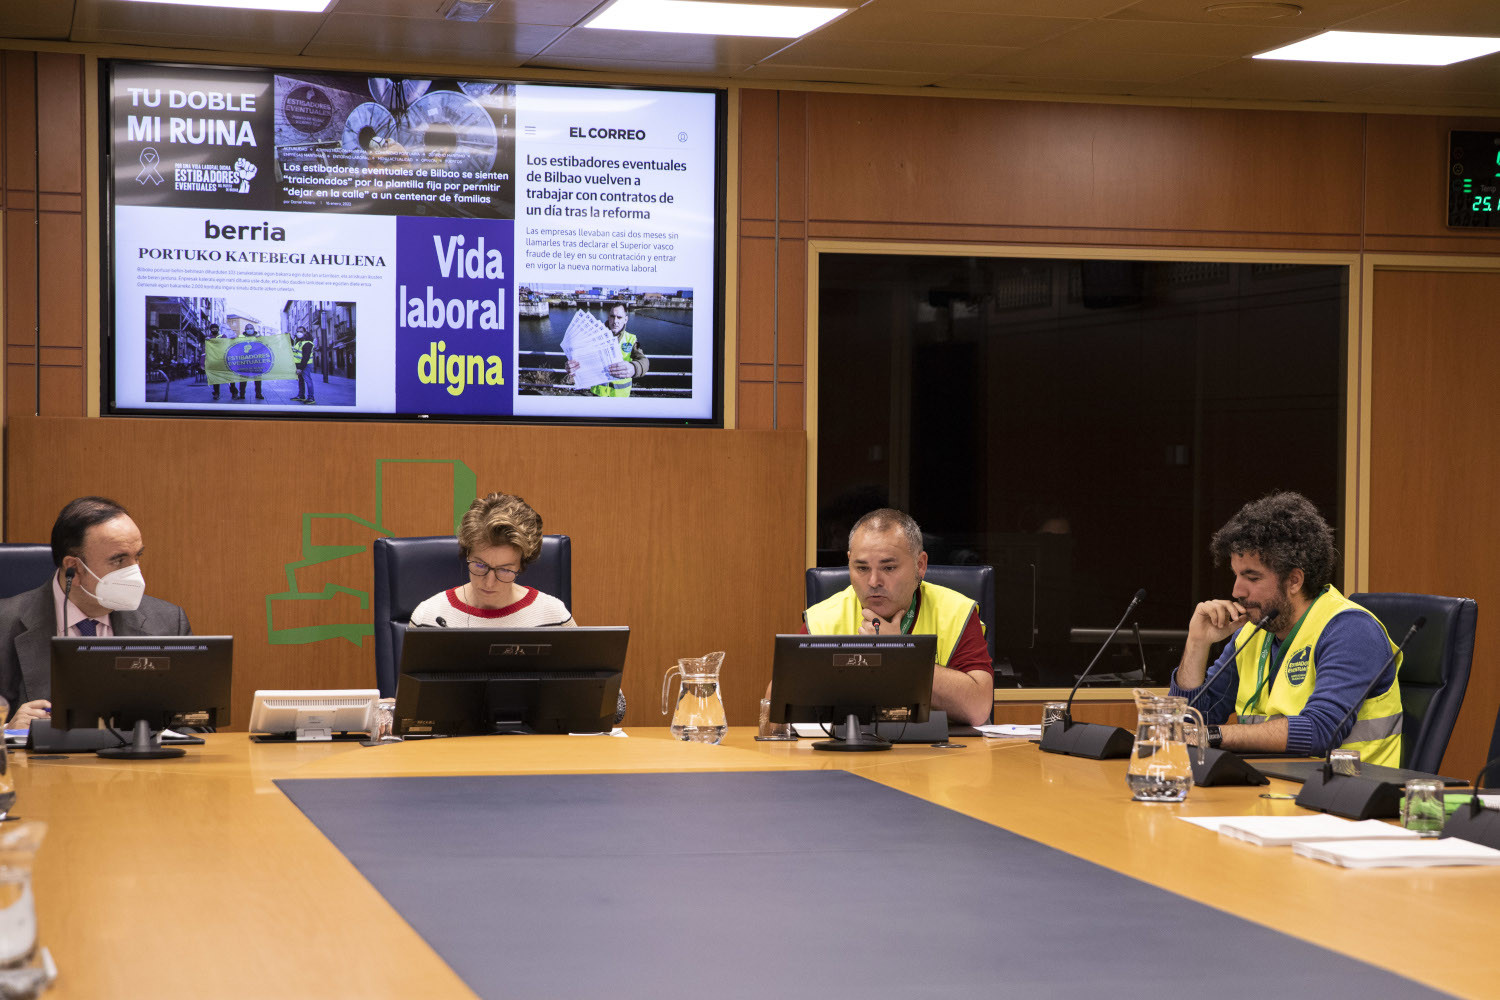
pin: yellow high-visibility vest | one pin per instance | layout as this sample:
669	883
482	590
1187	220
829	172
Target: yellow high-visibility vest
1377	724
942	613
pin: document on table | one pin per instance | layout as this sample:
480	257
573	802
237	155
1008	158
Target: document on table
1008	731
1405	854
589	342
1280	831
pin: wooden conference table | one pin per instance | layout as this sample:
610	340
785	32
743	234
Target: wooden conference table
197	875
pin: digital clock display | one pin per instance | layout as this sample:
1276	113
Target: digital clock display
1474	179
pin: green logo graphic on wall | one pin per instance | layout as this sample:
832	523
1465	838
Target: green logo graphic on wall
464	491
1296	667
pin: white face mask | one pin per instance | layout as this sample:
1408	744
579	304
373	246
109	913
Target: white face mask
119	590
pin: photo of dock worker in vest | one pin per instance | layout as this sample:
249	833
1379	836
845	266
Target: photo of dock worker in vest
302	353
624	372
886	594
234	387
250	331
1301	674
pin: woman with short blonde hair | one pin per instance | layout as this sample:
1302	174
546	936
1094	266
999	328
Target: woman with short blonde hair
499	536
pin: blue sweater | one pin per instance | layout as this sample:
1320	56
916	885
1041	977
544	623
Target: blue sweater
1350	650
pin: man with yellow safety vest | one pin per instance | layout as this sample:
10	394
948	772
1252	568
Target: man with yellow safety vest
887	594
1294	683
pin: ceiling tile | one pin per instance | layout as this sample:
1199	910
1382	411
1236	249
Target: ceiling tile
1138	67
1316	15
1432	17
901	57
35	18
1253	79
876	23
631	66
391	8
480	44
216	29
653	46
1015	8
839	74
1471	76
1011	84
1173	39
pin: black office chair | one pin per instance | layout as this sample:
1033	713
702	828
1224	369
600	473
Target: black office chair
410	570
977	582
24	566
1434	668
1492	778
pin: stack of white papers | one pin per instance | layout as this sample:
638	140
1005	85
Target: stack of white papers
1402	854
1006	730
590	343
1279	831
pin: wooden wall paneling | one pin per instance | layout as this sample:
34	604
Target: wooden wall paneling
757	166
60	292
61	388
755	394
972	232
4	133
62	289
19	288
792	156
1103	713
20	385
1434	469
18	283
791	403
791	302
20	277
20	121
689	539
1407	183
914	159
757	300
60	122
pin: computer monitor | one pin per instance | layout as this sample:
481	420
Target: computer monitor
140	681
478	681
852	679
303	716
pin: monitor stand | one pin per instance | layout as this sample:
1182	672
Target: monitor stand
144	745
854	739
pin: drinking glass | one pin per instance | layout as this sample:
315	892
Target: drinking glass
1053	711
1422	806
1344	761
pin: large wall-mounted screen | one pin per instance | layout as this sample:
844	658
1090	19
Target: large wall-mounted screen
348	245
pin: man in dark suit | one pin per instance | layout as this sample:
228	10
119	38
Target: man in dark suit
96	548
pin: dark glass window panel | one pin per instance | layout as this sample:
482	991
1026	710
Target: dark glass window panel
1083	426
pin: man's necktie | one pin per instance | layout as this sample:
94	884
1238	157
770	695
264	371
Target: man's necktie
87	627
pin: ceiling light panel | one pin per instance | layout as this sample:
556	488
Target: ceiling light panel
699	17
1386	49
281	6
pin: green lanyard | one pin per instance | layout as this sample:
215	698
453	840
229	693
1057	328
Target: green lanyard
1262	676
910	618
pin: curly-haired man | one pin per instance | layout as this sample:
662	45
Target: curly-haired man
1295	681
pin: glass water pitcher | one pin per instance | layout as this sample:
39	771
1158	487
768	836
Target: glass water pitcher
699	715
1160	768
